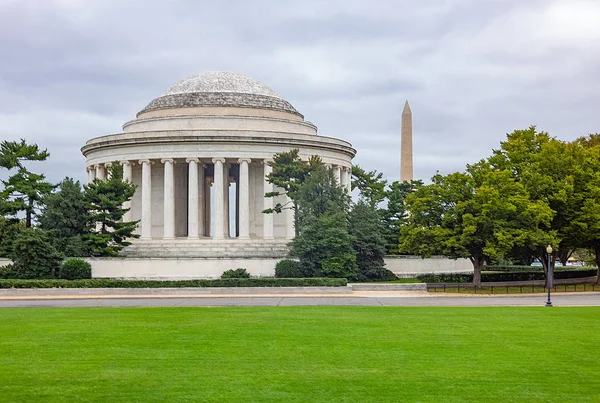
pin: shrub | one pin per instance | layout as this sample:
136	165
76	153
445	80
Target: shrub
33	256
510	268
504	276
75	269
446	278
376	274
7	271
288	268
235	273
231	282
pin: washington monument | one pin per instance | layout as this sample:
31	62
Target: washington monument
406	151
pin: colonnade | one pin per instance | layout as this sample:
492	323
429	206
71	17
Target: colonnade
199	219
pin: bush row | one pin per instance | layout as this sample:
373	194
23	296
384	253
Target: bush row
493	277
233	282
69	269
557	268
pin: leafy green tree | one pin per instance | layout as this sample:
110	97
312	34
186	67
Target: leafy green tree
323	244
107	234
481	215
289	173
546	168
584	223
367	230
64	217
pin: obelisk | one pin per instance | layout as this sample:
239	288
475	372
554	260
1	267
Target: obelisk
406	151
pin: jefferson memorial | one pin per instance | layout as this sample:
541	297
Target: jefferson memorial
199	156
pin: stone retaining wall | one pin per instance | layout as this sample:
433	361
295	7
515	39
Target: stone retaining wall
411	266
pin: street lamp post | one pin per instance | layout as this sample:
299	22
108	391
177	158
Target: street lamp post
549	252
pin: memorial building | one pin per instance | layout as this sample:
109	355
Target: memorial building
199	155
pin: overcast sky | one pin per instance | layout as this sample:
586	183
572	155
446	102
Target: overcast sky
472	70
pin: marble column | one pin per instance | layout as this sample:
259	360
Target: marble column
100	174
107	169
337	172
91	171
207	208
201	199
146	199
193	223
127	177
226	182
219	205
349	180
169	199
244	209
290	232
267	202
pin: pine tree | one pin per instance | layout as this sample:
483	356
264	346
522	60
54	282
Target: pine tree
64	218
289	173
107	234
369	242
323	243
25	190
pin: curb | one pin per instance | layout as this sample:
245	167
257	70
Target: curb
91	292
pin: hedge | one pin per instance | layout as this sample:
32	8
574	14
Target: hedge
514	276
232	282
540	269
288	269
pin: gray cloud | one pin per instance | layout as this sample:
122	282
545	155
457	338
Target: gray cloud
472	70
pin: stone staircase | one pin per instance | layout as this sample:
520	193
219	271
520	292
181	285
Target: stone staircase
207	248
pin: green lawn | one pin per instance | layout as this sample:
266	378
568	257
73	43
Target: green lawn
312	354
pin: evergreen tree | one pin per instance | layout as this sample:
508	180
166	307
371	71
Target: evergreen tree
323	243
370	185
24	190
33	255
13	154
394	215
9	229
289	173
64	218
106	233
367	230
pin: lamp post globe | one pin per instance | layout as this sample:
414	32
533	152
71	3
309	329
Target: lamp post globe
549	282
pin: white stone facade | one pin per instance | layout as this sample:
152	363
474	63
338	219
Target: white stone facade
199	157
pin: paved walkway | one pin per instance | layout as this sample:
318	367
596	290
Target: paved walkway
366	298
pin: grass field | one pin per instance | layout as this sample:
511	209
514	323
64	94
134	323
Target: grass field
311	354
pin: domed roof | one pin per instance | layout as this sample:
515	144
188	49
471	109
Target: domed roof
220	88
221	81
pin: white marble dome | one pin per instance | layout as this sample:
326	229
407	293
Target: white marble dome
220	89
221	81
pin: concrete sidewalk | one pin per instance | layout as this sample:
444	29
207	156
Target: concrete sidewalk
283	297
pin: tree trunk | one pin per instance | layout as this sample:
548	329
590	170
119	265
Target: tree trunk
597	252
29	213
477	263
563	255
296	218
